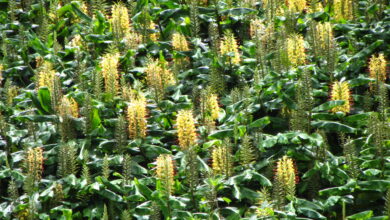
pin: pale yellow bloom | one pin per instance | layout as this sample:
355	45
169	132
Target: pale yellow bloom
296	50
186	129
229	46
179	42
340	91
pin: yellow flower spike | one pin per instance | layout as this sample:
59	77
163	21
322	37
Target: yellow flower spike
34	163
285	177
340	91
325	34
377	67
179	42
45	76
222	160
186	129
343	9
76	41
136	117
296	50
109	65
120	20
256	28
69	107
158	76
165	172
229	45
296	5
212	106
316	7
153	36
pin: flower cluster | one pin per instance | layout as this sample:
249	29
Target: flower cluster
69	107
136	118
377	67
34	163
296	50
109	66
158	76
296	5
186	129
179	42
285	179
222	160
229	48
45	76
120	21
343	9
165	172
340	91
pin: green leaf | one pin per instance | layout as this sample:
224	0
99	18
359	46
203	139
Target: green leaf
108	194
237	11
310	213
332	126
44	99
142	189
328	105
221	134
376	185
96	122
76	9
260	123
361	215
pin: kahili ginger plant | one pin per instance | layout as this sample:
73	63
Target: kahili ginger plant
33	165
109	65
229	48
136	118
222	160
377	67
179	42
285	180
165	173
186	130
341	91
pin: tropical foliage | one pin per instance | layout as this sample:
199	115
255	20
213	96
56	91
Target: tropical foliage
194	109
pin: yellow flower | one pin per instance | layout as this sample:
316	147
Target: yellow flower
325	35
165	172
45	77
285	177
340	91
34	163
256	27
296	5
296	50
76	41
158	76
316	7
179	42
136	117
343	9
222	160
212	106
153	36
120	21
186	129
69	107
109	65
132	39
229	46
377	67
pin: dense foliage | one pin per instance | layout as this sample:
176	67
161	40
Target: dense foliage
194	109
